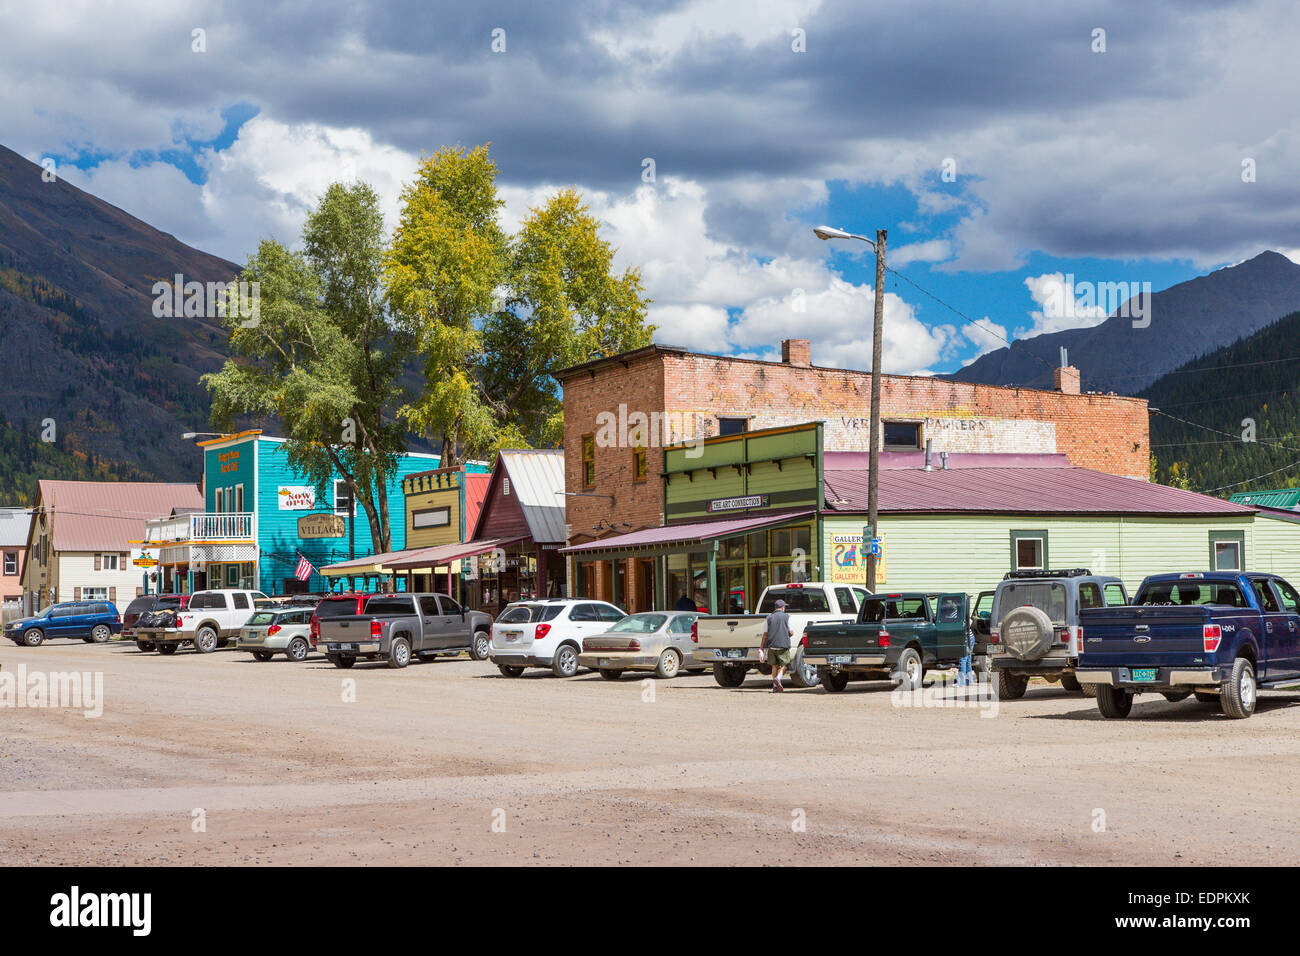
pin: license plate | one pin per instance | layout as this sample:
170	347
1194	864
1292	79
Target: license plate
1144	674
511	636
735	652
838	659
604	661
342	647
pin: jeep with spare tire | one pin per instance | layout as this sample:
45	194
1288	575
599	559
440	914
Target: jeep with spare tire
1034	625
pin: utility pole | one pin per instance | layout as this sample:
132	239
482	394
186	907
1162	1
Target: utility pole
877	349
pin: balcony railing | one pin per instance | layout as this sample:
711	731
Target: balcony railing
208	526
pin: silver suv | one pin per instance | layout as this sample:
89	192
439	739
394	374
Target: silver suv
1034	625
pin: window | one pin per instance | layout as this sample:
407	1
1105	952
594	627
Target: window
520	614
902	435
392	607
583	612
797	600
607	612
241	601
108	562
844	597
1047	596
429	606
11	562
588	460
1226	549
1267	599
1028	550
219	500
681	624
1115	596
505	487
343	499
93	594
758	544
1193	592
1290	600
431	518
733	426
239	498
449	606
1089	596
640	467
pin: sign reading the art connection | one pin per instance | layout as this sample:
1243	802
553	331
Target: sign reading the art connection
849	560
296	497
738	504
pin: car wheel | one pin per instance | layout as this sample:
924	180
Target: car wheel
1206	697
399	652
610	674
1238	694
1114	702
144	645
167	648
33	637
835	682
1011	686
1070	682
729	675
205	640
262	656
566	661
340	660
481	646
909	673
510	670
1175	696
801	674
670	664
297	650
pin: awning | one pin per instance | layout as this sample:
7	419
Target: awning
371	564
420	558
674	536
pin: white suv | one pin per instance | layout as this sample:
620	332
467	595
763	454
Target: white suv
210	620
548	633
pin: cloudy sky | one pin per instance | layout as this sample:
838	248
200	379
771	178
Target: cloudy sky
1003	147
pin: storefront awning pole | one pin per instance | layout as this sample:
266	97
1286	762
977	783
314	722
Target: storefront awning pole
713	577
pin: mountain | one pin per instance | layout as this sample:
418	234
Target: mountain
1206	408
81	344
1186	320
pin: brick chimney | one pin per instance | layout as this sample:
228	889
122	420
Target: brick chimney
1067	380
799	352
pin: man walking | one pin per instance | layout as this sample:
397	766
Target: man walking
776	644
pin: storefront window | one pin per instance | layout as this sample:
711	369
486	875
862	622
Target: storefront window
780	542
732	549
758	544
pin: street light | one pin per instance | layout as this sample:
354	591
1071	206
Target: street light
873	478
190	436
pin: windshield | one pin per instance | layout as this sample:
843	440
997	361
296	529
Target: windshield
1047	596
1189	592
640	623
797	601
520	614
336	607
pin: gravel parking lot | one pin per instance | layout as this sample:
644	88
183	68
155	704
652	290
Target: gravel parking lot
449	762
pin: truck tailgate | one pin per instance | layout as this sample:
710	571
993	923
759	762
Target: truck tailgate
737	630
843	638
345	630
1163	635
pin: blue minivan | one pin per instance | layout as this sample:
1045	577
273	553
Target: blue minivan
92	621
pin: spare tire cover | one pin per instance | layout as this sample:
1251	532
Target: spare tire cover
1027	633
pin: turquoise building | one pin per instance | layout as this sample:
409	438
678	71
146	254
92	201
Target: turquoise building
260	514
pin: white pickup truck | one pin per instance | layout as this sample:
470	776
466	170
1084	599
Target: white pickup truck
210	620
730	642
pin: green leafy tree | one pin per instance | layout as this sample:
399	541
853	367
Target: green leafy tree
493	317
322	356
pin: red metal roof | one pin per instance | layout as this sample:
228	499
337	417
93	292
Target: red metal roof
1018	491
687	533
108	515
476	487
419	558
855	460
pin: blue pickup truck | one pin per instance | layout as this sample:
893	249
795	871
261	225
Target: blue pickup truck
1219	635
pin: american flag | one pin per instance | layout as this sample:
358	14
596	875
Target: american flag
304	569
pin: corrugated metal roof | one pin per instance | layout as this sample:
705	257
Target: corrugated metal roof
537	480
14	523
687	533
420	558
1018	491
1285	498
476	488
108	515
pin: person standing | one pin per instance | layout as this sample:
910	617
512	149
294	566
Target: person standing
684	603
776	644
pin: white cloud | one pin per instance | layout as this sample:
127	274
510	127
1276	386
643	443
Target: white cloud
986	335
1060	305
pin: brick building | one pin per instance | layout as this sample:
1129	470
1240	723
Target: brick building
620	411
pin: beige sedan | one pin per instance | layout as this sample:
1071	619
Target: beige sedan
658	641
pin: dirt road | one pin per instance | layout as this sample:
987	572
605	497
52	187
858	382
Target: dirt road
219	759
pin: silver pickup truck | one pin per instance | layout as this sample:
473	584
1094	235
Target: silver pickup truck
392	627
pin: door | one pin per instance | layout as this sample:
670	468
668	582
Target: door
241	609
455	623
1276	631
59	622
950	625
433	625
679	635
1290	600
584	621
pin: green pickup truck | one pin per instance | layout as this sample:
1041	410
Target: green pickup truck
897	637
